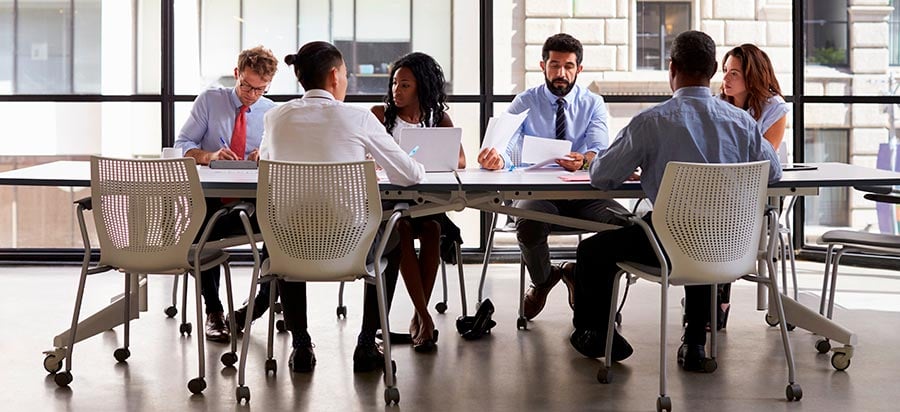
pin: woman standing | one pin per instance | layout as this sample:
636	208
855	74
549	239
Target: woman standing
417	99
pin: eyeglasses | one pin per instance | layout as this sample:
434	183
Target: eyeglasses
246	88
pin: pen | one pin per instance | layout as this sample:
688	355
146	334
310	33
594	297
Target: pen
224	145
413	151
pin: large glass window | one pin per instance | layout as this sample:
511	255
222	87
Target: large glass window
657	25
894	33
827	33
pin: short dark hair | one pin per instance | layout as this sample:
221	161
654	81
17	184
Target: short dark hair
694	54
565	43
313	62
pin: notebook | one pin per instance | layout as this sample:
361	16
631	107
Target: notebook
436	148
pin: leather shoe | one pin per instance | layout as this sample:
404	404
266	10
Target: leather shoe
536	296
397	338
567	272
240	315
592	343
690	357
216	328
303	359
368	358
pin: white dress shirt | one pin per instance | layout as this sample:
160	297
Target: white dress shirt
318	128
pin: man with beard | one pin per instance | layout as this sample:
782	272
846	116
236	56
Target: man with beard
557	109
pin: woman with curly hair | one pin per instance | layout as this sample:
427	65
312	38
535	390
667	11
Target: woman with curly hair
416	98
750	84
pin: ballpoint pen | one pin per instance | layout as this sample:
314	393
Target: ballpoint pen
413	151
222	140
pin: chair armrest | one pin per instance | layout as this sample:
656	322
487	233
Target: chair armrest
248	208
401	207
883	198
86	203
884	190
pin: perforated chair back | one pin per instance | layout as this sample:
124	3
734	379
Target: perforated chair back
147	212
708	218
318	220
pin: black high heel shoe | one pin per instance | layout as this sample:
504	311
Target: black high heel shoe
482	323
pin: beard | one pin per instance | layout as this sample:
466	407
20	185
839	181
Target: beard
560	90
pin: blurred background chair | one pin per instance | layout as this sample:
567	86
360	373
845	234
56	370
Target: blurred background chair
319	222
708	220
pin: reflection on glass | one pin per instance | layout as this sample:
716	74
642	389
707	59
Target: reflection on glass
657	25
827	33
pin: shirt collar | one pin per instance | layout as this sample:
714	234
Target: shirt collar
236	101
693	91
318	94
570	97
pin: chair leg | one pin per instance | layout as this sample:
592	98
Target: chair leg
242	391
604	375
228	359
391	393
663	318
198	384
714	320
185	327
341	309
462	281
127	324
487	257
521	323
792	255
270	344
73	330
172	310
793	391
829	254
441	306
834	275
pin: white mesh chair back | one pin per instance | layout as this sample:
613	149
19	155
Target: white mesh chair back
147	212
708	218
318	219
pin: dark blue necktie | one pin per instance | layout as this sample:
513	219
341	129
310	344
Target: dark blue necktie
561	118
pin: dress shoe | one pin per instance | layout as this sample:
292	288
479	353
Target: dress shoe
481	322
303	359
536	296
567	272
240	315
368	358
216	328
690	357
592	343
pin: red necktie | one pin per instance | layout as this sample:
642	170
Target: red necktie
239	135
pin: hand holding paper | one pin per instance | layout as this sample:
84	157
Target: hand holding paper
501	128
543	151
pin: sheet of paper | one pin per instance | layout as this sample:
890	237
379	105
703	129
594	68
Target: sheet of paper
575	177
501	128
540	149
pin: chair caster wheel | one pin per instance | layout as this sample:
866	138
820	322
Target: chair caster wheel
242	393
271	366
52	364
229	359
771	320
341	312
185	329
391	395
441	307
663	403
121	354
791	327
793	392
171	311
823	346
277	307
280	326
840	361
197	385
63	379
604	375
522	324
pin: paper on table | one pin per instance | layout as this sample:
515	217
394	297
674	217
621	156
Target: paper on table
501	128
575	177
539	149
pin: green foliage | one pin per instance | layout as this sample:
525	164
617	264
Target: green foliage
829	56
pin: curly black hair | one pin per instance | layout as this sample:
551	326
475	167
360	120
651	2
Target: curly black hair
430	85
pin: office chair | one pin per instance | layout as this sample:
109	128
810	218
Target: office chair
147	214
319	222
708	220
848	241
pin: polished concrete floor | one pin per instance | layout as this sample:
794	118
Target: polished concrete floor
508	371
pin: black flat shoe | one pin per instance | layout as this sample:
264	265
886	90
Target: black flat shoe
429	345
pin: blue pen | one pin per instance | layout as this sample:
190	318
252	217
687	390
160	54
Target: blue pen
413	151
224	145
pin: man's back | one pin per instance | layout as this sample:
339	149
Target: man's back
692	126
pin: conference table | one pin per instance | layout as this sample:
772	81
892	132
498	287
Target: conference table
484	190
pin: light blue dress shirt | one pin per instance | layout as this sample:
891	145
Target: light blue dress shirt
585	120
212	117
692	126
774	109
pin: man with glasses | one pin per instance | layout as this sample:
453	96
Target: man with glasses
227	124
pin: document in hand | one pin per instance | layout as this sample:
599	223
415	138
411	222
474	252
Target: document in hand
501	128
540	150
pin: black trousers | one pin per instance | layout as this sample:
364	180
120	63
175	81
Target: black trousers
293	300
595	271
227	226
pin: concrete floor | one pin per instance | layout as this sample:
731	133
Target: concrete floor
508	371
